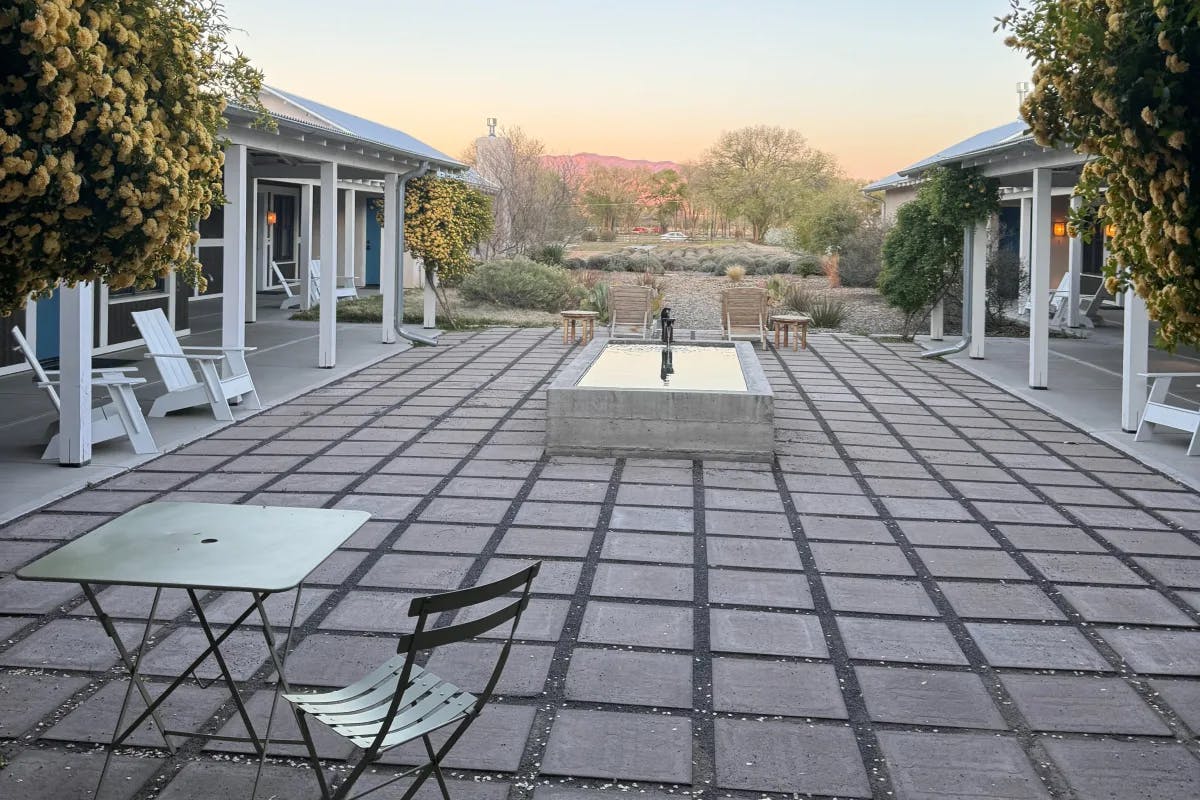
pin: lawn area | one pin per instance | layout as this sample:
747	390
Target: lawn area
467	315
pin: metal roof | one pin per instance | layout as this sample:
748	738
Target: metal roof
890	182
367	130
1009	133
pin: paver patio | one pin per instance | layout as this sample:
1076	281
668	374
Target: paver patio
936	591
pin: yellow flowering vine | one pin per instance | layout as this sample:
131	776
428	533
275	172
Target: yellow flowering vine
1120	80
110	153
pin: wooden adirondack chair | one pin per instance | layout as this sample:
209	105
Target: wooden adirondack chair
1159	411
291	298
630	312
344	287
224	375
744	313
121	416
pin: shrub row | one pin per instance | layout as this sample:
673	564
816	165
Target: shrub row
520	283
714	261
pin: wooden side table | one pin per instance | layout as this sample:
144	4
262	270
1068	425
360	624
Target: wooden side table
587	326
794	324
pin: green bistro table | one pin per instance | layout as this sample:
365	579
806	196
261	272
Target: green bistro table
200	547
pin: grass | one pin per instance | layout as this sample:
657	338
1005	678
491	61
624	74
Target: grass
467	315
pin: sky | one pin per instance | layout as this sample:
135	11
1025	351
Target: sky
880	84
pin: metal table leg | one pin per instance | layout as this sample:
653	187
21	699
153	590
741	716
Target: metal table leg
280	672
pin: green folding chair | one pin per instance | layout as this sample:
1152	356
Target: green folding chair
401	701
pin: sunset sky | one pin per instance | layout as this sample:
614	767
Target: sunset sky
878	83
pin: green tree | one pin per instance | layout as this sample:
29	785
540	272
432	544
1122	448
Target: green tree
760	173
444	219
923	251
610	194
825	218
110	113
1119	80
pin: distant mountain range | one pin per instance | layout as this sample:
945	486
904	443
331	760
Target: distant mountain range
585	160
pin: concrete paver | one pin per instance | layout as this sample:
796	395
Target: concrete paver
936	590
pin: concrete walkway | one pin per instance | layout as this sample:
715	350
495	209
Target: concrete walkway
937	590
283	367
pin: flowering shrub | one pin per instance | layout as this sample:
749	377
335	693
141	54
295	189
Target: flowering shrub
1120	80
444	219
110	112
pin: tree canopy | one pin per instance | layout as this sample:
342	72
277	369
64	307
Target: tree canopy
760	172
109	138
1120	81
824	218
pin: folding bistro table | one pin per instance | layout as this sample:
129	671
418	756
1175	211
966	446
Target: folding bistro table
199	547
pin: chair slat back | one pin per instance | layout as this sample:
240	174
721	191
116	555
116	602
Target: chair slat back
284	282
156	330
36	366
630	305
744	307
314	280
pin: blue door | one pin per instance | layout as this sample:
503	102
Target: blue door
47	326
372	270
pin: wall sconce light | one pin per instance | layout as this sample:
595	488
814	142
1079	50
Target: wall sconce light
271	218
1110	230
1060	229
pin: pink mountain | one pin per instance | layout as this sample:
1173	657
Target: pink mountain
585	160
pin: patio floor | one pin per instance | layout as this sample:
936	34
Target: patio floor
937	590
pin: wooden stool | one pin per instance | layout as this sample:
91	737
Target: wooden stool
794	324
588	328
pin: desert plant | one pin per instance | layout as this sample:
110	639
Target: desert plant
861	255
589	236
645	262
521	283
596	299
796	298
576	263
735	273
608	236
598	261
826	311
777	287
806	265
829	265
552	253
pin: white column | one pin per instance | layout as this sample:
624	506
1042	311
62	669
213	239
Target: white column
1075	269
305	253
937	321
1135	358
1039	281
75	371
430	301
1023	240
233	263
327	324
350	242
389	258
978	299
254	261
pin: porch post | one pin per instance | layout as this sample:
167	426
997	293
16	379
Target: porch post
233	263
1023	239
937	320
75	369
327	326
389	258
979	254
306	248
1075	269
1135	358
349	231
253	261
1039	282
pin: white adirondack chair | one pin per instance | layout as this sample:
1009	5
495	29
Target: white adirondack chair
343	287
121	416
224	375
291	299
1160	412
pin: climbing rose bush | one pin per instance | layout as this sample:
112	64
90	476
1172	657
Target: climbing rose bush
1120	80
110	154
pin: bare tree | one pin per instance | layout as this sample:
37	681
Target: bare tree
535	203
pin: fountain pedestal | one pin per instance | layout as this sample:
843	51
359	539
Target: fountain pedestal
614	403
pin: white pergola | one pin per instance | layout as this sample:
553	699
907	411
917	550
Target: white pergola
1033	175
318	158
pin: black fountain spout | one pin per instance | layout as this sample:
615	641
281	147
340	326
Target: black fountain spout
667	326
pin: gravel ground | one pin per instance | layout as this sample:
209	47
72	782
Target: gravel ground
695	300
